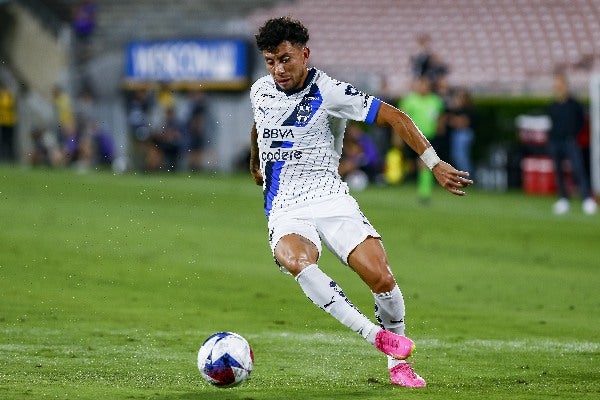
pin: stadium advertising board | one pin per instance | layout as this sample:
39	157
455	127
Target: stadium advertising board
218	64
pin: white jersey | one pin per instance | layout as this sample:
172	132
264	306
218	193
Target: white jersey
300	136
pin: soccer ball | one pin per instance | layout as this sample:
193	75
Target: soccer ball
225	359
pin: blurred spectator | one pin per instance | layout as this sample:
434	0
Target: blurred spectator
46	150
84	18
567	116
196	129
426	62
395	164
197	102
382	135
389	145
139	109
165	96
96	145
442	139
8	122
425	108
66	128
197	140
63	111
460	119
584	140
349	170
360	154
84	25
79	140
164	146
85	106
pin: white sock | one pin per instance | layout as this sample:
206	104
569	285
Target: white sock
390	312
392	362
327	295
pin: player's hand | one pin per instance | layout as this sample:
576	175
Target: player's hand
257	176
451	179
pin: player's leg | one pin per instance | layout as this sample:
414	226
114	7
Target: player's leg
349	235
369	261
299	256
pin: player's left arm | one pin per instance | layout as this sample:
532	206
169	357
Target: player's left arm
254	158
402	125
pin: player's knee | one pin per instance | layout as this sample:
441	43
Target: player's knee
385	282
295	254
293	263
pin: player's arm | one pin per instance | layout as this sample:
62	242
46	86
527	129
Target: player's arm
401	124
254	158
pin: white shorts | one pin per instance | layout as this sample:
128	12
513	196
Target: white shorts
336	220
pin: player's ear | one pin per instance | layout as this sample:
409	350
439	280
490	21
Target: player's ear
306	53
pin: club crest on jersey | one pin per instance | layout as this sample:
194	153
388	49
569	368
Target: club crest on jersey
306	109
304	112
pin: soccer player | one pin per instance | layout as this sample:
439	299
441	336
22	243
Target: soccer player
299	119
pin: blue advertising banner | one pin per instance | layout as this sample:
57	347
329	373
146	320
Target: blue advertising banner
211	63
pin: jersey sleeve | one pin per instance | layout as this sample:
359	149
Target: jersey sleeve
343	100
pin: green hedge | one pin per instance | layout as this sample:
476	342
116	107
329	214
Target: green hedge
495	121
495	124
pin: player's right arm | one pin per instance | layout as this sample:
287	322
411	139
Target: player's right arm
254	158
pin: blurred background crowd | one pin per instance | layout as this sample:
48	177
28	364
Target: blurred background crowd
477	76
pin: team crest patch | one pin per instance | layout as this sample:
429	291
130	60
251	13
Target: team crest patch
304	114
306	109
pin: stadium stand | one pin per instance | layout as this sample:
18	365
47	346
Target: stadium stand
120	21
503	46
491	45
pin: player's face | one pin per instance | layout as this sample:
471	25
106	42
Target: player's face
287	64
561	88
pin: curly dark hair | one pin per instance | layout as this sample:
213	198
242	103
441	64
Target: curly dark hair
277	30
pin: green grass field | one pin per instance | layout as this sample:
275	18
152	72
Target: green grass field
109	284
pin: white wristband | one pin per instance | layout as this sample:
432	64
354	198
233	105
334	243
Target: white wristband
430	158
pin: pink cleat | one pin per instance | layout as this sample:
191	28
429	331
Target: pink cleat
403	375
396	346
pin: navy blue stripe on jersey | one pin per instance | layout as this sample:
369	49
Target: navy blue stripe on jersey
372	114
272	176
306	109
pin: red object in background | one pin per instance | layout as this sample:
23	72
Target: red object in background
538	175
533	137
533	130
